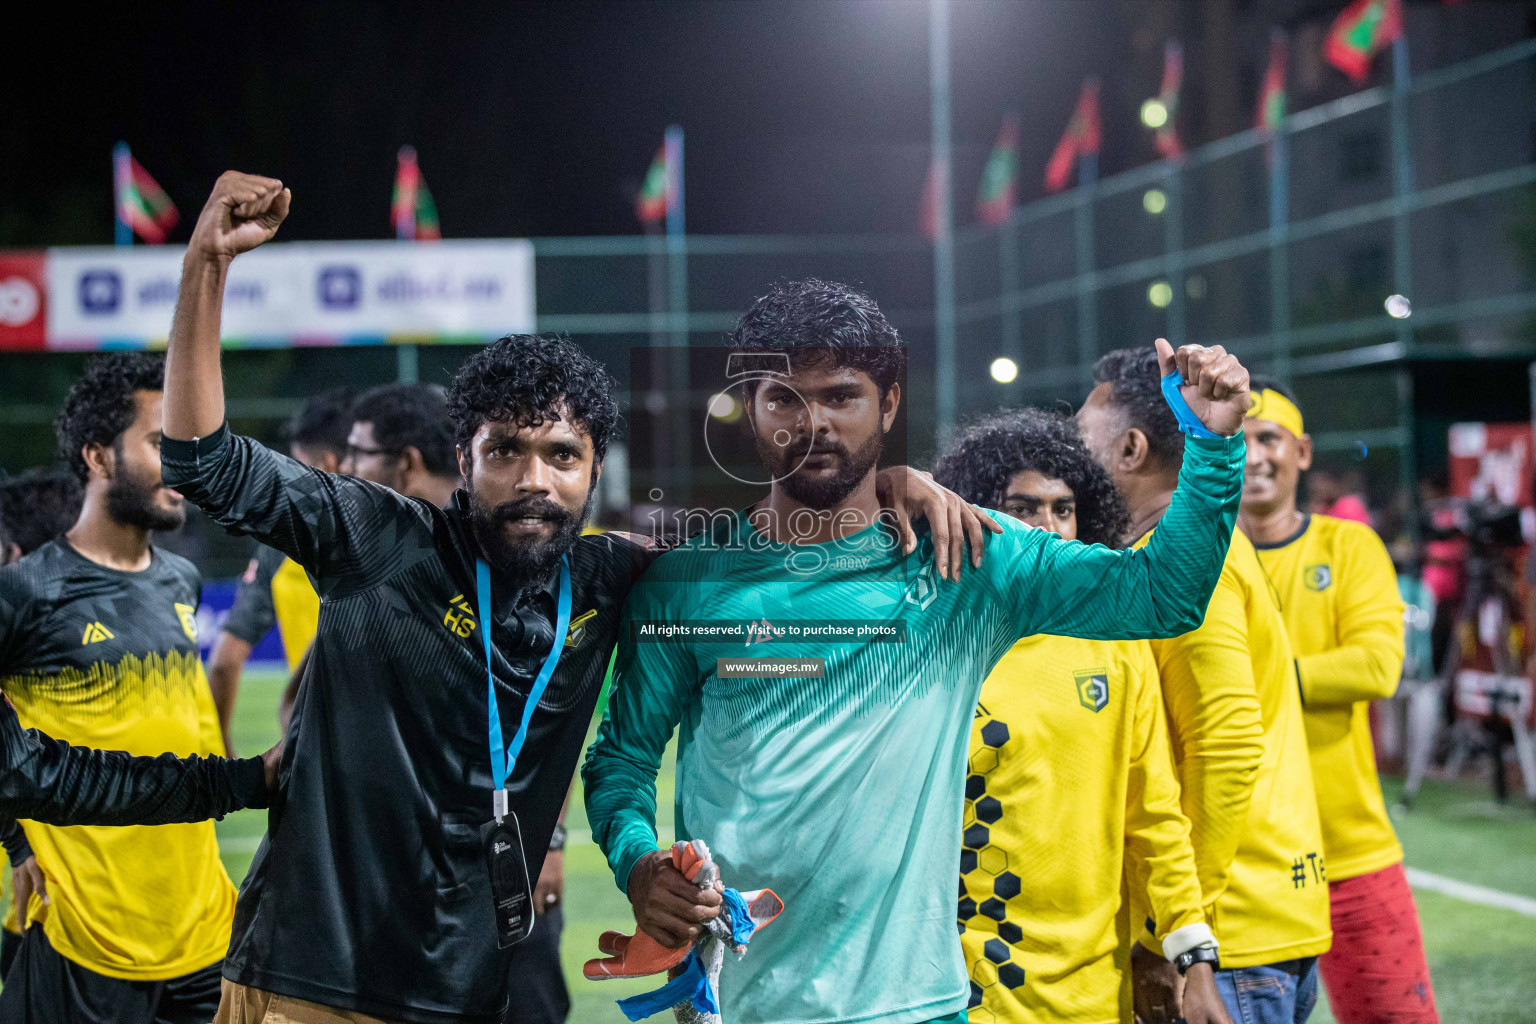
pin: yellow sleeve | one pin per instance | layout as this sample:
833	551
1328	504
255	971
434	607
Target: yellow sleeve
1213	712
1160	861
1367	664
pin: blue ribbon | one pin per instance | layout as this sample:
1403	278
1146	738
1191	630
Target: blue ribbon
690	986
693	984
1188	421
742	925
504	759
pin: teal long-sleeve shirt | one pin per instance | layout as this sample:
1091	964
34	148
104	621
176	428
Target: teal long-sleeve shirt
844	793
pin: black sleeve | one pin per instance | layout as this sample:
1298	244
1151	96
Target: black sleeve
252	616
47	780
347	533
14	840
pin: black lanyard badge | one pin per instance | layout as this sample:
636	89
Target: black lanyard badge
510	892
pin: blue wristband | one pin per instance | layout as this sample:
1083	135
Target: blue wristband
1188	421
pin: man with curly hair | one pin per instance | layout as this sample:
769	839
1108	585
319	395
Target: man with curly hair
98	647
1071	792
835	774
440	629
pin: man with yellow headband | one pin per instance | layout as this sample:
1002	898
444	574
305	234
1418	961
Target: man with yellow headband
1338	595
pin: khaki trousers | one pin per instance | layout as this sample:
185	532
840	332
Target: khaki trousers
239	1004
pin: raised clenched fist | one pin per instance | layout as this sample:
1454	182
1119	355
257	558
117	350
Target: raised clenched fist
1215	384
243	212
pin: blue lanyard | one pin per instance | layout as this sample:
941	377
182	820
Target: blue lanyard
504	759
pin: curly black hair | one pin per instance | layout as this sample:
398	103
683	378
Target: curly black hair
992	451
530	379
100	406
414	416
817	321
324	421
38	504
1136	388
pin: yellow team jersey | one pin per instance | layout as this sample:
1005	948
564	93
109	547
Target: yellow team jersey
109	659
1338	593
1235	723
1070	789
297	608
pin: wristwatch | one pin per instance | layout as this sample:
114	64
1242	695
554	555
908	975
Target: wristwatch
1202	954
557	838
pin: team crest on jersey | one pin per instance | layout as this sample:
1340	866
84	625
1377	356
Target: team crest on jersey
923	589
1317	577
1092	689
188	616
578	631
95	633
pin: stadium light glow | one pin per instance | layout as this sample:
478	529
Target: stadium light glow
1194	286
1160	293
1153	113
724	407
1004	370
1398	307
1154	201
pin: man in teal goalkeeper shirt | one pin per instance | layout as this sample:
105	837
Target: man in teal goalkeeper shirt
843	792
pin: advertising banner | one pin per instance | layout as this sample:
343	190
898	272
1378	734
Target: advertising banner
1492	462
23	311
301	293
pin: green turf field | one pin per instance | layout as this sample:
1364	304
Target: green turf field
1483	959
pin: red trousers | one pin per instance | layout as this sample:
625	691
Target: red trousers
1375	972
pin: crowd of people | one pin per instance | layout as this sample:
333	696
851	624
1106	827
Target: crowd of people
1126	711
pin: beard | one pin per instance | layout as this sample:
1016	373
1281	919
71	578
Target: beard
527	561
824	492
131	502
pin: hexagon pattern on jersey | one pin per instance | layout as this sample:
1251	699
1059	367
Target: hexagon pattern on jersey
979	856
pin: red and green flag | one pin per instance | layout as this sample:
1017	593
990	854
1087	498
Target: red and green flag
1272	94
651	206
411	207
142	206
1360	32
1080	139
1167	134
1000	178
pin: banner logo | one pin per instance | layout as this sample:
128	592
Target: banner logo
101	292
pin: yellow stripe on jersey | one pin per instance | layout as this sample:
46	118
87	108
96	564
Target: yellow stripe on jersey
1070	787
1234	718
297	608
143	903
1338	594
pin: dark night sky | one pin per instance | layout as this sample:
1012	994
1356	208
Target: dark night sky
534	119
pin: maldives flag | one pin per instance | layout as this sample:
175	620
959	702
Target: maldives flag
1361	31
1080	138
1272	94
651	206
141	203
1000	178
411	207
1167	137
